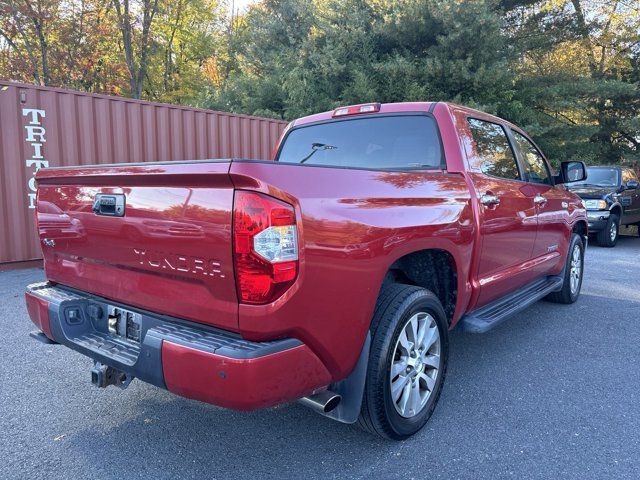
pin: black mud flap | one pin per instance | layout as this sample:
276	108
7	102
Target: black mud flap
351	389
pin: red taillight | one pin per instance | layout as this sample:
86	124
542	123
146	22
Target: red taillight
356	109
265	247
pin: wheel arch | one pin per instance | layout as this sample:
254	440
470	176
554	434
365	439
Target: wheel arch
581	228
435	269
616	209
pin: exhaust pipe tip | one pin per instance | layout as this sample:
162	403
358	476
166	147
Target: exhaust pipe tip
322	402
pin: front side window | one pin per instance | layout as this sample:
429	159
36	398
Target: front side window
409	141
493	150
534	165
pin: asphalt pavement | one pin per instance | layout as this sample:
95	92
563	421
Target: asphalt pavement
552	393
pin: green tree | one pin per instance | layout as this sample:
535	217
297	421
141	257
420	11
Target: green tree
26	28
576	90
299	57
566	70
188	35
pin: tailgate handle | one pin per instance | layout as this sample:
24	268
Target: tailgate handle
111	204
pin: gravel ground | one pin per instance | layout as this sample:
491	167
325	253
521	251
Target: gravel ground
552	393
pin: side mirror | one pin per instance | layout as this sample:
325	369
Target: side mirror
571	172
632	184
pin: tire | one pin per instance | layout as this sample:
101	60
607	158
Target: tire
571	291
608	237
399	307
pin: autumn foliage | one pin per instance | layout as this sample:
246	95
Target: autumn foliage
566	70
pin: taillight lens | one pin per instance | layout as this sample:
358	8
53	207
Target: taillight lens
265	247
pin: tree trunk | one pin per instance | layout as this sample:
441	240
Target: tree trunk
150	9
44	47
137	70
586	38
169	49
122	12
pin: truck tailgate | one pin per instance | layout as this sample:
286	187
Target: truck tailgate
169	252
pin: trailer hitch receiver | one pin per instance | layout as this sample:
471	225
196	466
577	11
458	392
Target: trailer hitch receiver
103	375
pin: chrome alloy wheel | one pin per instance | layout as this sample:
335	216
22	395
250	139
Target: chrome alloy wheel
613	231
576	269
415	364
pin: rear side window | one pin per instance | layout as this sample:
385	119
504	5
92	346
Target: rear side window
534	164
629	175
493	149
376	142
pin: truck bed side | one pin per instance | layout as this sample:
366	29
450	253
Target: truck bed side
354	224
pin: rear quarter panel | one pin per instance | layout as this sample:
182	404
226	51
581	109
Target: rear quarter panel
353	224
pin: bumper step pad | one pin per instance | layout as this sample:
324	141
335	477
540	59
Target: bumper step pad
79	321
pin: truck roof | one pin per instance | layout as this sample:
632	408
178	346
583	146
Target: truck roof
402	107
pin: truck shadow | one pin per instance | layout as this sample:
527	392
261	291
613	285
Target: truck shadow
500	388
175	437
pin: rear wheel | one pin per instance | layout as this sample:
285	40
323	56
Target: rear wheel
573	272
407	362
608	237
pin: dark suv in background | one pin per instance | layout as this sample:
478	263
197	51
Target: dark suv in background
612	198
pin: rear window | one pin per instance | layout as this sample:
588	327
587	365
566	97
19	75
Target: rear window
376	142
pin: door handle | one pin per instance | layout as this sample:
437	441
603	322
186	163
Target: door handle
539	200
488	199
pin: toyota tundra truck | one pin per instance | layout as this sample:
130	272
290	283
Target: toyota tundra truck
330	275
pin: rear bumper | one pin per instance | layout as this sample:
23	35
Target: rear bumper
188	359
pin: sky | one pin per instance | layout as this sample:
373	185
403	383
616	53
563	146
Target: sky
241	5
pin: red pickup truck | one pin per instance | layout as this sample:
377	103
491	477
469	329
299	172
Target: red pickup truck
330	275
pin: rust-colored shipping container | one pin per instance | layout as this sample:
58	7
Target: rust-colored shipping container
42	126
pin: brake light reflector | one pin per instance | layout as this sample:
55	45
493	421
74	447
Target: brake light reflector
356	109
265	247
